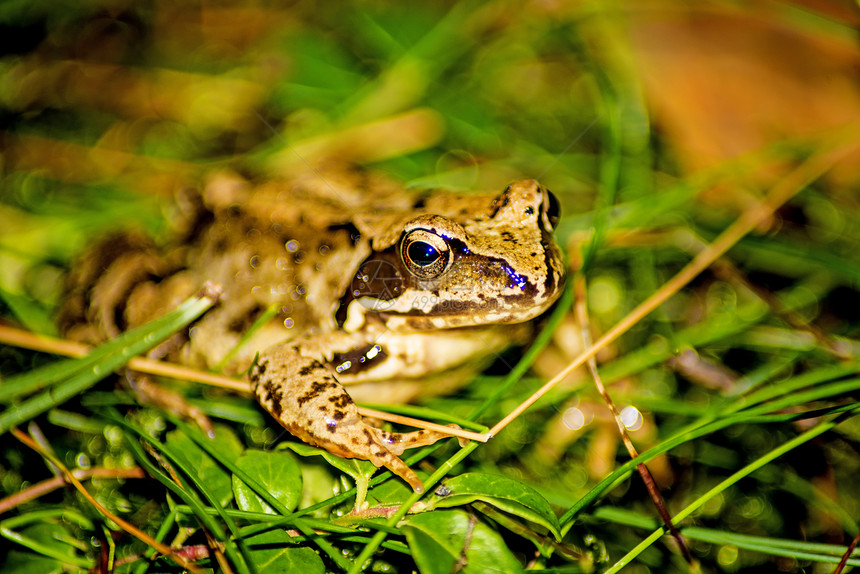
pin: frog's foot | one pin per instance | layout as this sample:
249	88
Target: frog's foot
310	403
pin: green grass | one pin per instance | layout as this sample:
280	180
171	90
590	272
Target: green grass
753	446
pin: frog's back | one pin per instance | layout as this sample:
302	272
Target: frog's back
282	251
319	252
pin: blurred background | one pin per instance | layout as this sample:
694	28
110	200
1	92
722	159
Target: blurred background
656	123
118	102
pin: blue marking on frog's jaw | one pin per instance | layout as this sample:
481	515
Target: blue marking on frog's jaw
519	280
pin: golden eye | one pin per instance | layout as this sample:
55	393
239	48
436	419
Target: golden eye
425	254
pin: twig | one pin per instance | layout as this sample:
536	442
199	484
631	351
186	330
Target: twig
66	348
24	339
41	488
850	550
581	310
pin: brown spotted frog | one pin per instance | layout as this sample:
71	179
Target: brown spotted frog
332	280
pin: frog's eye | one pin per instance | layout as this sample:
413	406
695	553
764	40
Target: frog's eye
425	254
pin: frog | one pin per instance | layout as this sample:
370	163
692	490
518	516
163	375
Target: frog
334	280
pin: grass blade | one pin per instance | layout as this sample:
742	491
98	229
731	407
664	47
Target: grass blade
85	372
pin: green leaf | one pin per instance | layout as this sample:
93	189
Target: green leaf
389	493
504	493
451	540
277	471
271	552
213	476
357	469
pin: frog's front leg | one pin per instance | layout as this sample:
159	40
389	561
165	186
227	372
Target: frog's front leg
306	398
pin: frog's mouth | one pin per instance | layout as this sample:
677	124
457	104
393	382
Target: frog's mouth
501	295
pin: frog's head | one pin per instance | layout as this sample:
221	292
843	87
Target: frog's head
464	260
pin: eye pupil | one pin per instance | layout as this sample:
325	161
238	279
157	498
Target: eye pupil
422	253
425	254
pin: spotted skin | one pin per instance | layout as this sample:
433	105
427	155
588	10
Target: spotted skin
312	405
346	279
